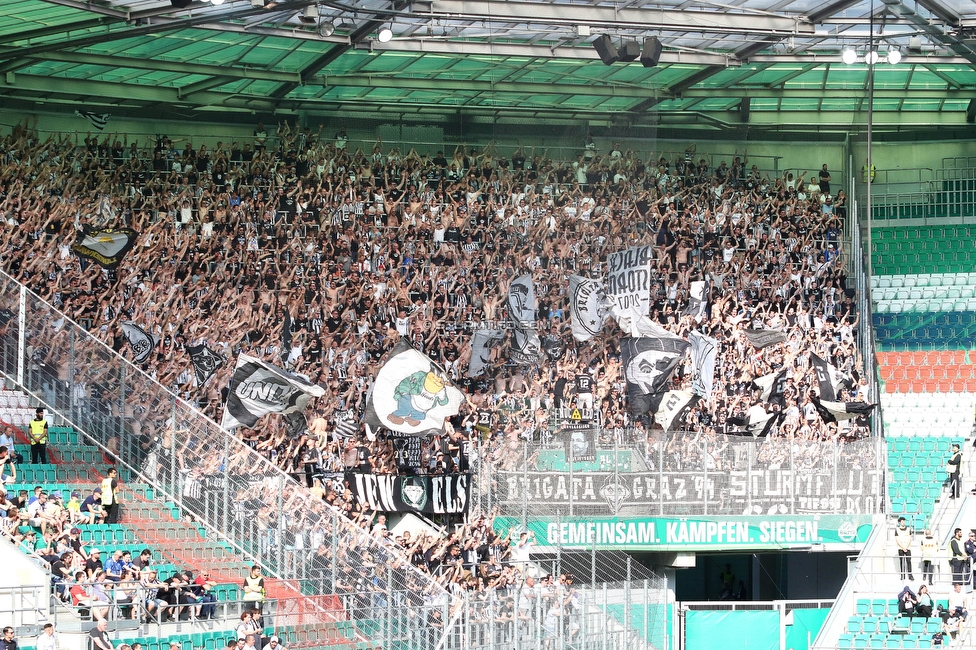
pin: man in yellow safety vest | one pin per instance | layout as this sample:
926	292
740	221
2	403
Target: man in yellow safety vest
37	434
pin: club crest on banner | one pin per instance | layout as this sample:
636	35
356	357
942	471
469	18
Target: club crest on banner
413	492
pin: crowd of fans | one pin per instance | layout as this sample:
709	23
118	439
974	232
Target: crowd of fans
361	248
350	250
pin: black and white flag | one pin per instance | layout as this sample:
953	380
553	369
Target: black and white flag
525	346
141	341
411	394
588	307
106	247
482	341
703	352
756	423
553	346
673	408
205	362
831	380
764	338
649	362
521	301
832	411
629	287
345	425
697	300
258	388
773	387
97	120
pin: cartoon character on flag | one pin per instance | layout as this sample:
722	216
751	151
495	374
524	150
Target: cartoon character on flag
416	394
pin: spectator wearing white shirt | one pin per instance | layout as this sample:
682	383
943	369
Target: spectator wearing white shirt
48	640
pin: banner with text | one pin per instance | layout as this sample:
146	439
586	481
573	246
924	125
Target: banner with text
698	533
733	492
629	286
448	494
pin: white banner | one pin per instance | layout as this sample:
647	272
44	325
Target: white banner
629	287
587	306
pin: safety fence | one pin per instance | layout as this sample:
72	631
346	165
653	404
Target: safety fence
157	438
680	473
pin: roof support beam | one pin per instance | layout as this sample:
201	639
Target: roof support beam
379	81
166	66
42	32
831	93
158	25
899	8
599	16
943	12
481	48
676	89
335	52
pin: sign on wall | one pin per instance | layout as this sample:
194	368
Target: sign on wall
695	533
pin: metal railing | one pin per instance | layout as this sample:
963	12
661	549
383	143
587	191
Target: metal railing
250	503
160	439
683	473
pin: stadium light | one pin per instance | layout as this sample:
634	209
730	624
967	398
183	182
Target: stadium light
872	57
385	35
327	29
894	57
849	56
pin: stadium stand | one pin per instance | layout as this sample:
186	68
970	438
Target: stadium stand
815	298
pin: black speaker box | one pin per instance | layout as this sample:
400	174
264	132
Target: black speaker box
629	51
652	52
606	49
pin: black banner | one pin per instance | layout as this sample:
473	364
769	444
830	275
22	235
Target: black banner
447	494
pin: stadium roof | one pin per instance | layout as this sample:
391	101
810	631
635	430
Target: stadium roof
724	62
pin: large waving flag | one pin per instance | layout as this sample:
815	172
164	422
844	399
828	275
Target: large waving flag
703	352
761	338
773	387
697	300
521	300
832	411
649	362
141	341
205	362
97	120
588	307
258	388
629	287
411	394
106	247
482	341
832	380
